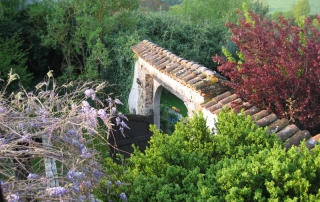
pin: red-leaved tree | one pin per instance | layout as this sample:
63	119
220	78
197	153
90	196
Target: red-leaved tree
279	66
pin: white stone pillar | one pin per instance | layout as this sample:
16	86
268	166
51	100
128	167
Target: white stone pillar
134	93
156	102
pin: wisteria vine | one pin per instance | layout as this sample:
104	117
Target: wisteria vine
48	140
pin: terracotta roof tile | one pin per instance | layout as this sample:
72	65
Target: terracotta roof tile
310	143
226	106
189	77
297	138
259	115
251	110
216	99
287	132
215	107
278	125
194	80
266	121
228	99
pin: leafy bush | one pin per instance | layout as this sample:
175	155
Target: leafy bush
49	139
166	118
279	67
270	174
241	163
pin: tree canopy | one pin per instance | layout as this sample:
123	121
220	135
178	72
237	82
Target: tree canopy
213	11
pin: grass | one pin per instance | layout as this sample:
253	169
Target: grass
171	100
284	5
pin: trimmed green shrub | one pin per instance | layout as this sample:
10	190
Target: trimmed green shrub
241	163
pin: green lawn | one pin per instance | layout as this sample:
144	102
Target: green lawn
284	5
171	100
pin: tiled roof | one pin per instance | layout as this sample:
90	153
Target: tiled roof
189	73
288	133
208	83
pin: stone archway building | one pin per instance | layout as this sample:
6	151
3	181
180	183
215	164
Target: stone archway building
199	88
157	68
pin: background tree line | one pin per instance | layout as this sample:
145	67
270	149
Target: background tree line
92	39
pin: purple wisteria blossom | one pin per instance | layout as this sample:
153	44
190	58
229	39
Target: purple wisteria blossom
123	197
20	126
13	198
57	191
63	119
73	106
102	114
97	175
88	184
76	143
85	106
90	93
110	101
93	112
32	176
72	132
25	138
124	125
113	110
43	114
2	141
75	188
85	153
4	186
71	175
122	116
117	101
118	120
3	110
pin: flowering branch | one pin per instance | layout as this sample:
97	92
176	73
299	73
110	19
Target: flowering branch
48	140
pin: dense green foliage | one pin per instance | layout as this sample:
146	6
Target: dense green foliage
92	40
16	24
181	37
13	58
169	99
241	163
158	5
167	119
79	29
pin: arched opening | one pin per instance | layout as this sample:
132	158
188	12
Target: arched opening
173	102
156	105
168	109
